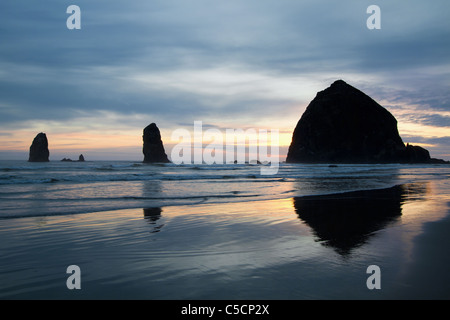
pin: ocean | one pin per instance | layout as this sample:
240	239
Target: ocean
57	188
165	231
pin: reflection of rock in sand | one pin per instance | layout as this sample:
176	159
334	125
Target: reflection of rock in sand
152	215
346	221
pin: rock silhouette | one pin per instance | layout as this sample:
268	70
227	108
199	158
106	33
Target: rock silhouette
80	159
344	125
39	149
153	148
348	220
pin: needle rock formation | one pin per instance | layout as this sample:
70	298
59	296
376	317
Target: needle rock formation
39	149
153	146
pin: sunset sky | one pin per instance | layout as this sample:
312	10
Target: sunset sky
230	64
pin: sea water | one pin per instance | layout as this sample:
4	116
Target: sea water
167	231
55	188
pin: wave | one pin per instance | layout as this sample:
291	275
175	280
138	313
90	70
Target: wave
124	177
63	207
232	194
92	178
62	188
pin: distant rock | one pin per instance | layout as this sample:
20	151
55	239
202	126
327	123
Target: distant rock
80	159
153	148
344	125
39	149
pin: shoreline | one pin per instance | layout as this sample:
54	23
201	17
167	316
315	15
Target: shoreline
232	198
242	246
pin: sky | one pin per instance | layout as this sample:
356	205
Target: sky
228	63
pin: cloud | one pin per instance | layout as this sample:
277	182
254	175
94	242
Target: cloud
223	62
436	120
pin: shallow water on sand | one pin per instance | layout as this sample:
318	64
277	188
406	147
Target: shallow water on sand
58	188
288	248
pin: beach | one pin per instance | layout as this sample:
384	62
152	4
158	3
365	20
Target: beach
231	150
306	238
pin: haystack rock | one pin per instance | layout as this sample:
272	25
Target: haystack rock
153	146
39	149
344	125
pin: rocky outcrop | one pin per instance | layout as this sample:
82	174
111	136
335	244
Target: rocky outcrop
39	149
344	125
80	159
153	148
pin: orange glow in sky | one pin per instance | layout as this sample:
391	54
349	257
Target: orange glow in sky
130	141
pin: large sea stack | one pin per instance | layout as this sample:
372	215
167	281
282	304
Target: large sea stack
39	149
153	146
344	125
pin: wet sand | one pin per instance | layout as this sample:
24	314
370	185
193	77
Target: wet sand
303	248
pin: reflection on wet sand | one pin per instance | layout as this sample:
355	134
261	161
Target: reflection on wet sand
347	220
152	215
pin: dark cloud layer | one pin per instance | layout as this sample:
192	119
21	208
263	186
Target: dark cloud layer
145	57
